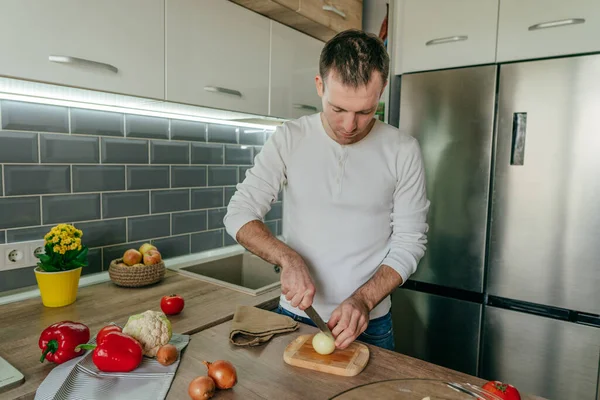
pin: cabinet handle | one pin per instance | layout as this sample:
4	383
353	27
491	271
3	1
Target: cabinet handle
517	153
218	89
305	107
83	62
449	39
557	24
335	10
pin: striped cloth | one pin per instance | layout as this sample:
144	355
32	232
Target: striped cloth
80	379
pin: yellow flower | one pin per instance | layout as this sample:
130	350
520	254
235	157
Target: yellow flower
55	239
56	249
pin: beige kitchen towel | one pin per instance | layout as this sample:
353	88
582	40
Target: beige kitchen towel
253	326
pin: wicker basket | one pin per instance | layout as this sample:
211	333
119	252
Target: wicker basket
135	276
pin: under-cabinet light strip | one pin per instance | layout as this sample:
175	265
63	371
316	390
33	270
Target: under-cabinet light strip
127	110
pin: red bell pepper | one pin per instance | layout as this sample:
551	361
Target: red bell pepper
117	352
58	341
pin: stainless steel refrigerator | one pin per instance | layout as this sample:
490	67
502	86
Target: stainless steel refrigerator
510	285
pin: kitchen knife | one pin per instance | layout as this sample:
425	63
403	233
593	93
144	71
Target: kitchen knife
316	318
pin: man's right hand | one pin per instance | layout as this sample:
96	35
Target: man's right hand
296	284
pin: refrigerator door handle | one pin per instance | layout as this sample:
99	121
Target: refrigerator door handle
517	153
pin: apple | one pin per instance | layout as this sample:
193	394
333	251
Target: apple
122	264
146	247
132	256
152	257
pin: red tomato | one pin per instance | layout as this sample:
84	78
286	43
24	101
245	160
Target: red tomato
104	331
502	390
172	304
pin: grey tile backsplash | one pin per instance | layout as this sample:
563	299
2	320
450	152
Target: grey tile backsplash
222	133
123	179
18	147
69	149
207	198
238	155
23	116
124	151
146	127
147	177
36	179
77	207
188	130
203	153
92	122
98	178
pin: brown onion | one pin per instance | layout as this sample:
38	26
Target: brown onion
223	373
201	388
167	354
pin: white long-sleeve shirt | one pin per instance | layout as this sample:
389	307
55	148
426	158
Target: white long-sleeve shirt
347	208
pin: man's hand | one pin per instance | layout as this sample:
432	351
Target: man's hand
296	284
348	321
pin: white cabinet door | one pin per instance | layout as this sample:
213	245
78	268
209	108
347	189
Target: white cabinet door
217	55
110	45
294	65
546	28
440	34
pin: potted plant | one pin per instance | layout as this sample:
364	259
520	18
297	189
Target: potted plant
58	271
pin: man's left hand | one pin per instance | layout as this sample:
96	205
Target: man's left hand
348	321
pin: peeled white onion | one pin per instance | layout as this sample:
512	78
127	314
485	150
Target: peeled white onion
323	344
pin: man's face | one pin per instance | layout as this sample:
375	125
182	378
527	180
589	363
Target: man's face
349	111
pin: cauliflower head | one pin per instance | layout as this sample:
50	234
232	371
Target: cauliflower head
151	328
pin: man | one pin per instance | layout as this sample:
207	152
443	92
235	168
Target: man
355	206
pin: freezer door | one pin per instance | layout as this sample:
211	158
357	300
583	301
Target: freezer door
451	114
545	229
437	329
546	357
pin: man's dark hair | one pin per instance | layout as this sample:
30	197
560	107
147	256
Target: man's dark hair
354	55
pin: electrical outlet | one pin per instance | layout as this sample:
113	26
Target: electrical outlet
20	255
14	255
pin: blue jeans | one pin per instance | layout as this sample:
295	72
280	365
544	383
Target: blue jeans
380	331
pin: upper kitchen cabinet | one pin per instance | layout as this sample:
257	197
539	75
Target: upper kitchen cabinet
294	65
108	45
437	34
217	55
321	19
545	28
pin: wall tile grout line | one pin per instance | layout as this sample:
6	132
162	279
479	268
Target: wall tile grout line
113	164
41	210
39	144
69	119
139	139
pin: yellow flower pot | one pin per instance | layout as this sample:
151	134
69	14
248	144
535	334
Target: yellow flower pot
58	289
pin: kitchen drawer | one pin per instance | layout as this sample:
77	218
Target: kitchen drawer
109	45
294	65
439	34
546	28
210	64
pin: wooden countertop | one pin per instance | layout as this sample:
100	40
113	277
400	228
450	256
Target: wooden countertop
262	373
21	323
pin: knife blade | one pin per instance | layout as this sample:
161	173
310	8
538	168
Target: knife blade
316	318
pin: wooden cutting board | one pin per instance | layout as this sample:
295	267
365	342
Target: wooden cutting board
347	362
